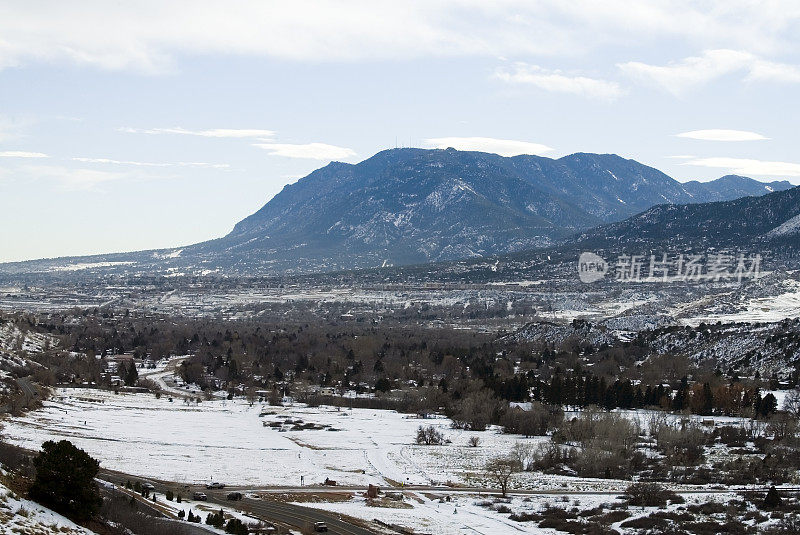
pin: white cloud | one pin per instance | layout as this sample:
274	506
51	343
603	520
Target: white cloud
215	132
744	166
680	77
148	35
558	82
314	151
768	71
722	135
503	147
152	164
22	154
74	179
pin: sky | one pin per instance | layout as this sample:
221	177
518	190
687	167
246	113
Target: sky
140	125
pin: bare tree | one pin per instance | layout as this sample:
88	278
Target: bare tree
523	453
429	436
791	403
501	469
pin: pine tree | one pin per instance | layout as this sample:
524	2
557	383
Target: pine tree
707	406
132	376
65	480
772	499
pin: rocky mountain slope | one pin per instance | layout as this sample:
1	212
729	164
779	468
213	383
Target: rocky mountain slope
771	221
743	348
407	206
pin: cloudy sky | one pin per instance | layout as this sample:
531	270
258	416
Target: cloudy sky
138	125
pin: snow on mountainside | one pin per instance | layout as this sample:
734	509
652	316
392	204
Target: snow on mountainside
557	334
749	221
407	206
16	346
415	205
766	348
787	228
763	347
21	516
733	187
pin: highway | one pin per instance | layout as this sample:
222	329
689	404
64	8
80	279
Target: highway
296	516
27	387
303	518
292	515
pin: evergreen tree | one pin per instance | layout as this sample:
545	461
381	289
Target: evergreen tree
132	376
768	405
65	480
772	499
679	401
707	405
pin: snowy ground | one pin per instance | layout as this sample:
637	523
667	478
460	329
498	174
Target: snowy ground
430	513
232	441
259	445
18	515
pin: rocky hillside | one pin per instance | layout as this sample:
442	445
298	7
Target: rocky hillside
409	206
771	221
406	206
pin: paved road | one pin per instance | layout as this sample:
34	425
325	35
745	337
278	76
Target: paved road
295	516
27	387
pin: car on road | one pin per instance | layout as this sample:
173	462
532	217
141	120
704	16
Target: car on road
148	486
320	526
200	496
234	496
215	485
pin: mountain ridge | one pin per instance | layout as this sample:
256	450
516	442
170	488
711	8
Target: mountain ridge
415	205
410	206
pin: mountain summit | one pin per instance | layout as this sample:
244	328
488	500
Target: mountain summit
415	205
405	206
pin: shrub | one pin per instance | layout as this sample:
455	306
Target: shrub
216	519
650	495
537	421
429	436
772	499
236	527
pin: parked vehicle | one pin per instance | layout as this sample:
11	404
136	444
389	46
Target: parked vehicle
148	486
199	496
215	485
320	526
234	496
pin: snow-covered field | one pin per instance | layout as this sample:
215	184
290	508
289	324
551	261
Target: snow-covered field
227	440
260	445
232	441
462	514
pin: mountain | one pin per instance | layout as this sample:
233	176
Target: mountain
405	206
733	187
770	220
